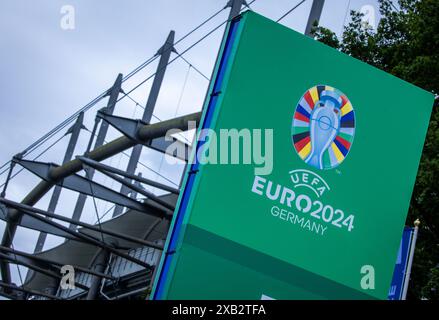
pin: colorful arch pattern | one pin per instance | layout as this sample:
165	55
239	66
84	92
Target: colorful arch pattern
341	145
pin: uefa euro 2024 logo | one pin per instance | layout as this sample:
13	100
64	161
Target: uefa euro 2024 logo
322	131
323	127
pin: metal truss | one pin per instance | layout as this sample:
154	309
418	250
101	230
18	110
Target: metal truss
136	134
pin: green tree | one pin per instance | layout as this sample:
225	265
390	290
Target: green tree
406	44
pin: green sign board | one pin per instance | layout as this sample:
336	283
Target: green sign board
323	218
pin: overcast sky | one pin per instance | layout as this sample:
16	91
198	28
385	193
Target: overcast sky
48	73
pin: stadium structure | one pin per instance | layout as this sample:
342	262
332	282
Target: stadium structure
115	259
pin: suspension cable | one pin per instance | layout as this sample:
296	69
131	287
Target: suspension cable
67	121
15	257
144	165
96	209
154	116
105	213
89	105
183	88
171	61
180	55
291	10
5	165
141	66
193	67
36	158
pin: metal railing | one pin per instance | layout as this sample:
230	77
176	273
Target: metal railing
118	267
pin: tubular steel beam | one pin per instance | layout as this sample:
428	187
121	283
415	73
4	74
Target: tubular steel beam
28	291
90	240
45	261
81	184
31	223
26	208
133	193
137	189
133	187
74	135
103	167
101	153
235	7
129	128
7	295
99	265
109	109
33	267
314	15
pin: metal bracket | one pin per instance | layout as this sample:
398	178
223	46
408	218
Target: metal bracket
83	185
128	127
